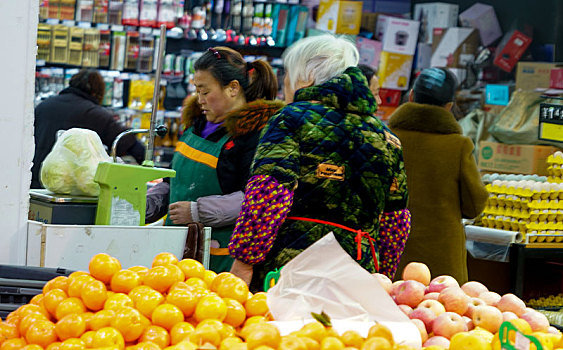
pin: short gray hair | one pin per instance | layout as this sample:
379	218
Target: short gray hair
319	58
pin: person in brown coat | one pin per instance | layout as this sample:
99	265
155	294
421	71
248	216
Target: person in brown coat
442	176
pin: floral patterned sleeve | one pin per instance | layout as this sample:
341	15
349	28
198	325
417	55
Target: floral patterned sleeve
264	209
394	228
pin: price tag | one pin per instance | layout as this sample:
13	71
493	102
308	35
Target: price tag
117	28
40	63
551	122
521	342
102	26
52	21
85	25
145	30
69	23
156	32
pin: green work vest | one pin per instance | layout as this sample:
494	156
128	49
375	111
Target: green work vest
195	161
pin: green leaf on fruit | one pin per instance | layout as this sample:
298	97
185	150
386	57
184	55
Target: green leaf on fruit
323	318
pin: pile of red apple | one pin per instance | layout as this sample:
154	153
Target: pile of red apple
440	308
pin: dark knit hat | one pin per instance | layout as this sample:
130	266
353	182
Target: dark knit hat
435	86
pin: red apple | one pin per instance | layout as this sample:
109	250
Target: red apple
510	302
438	341
490	298
487	317
410	293
405	309
395	286
421	328
442	282
454	300
508	315
473	303
474	288
434	305
448	324
431	296
425	315
385	281
417	271
468	323
537	321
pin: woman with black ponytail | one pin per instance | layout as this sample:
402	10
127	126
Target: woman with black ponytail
233	101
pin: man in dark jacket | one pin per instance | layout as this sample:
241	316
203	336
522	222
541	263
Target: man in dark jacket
78	106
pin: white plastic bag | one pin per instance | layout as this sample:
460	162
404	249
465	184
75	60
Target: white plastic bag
325	278
71	165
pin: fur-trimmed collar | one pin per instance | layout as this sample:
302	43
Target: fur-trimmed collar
251	117
424	118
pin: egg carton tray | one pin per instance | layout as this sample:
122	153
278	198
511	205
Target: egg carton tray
543	238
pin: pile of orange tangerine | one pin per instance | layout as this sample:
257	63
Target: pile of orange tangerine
175	305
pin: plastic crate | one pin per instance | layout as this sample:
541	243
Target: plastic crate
19	284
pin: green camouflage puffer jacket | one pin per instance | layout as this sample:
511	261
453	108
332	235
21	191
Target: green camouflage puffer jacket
342	163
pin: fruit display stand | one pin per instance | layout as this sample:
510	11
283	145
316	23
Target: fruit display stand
71	246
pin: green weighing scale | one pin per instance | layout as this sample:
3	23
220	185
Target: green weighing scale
123	187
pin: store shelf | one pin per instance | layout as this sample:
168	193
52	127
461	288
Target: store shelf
174	45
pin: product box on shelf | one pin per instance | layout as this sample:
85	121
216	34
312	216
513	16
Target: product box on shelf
483	18
400	35
297	21
369	21
280	14
454	47
384	112
434	15
339	17
380	24
390	98
84	10
395	70
510	49
498	94
423	56
556	78
370	50
518	159
533	75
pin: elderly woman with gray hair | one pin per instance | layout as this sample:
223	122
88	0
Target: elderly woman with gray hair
323	163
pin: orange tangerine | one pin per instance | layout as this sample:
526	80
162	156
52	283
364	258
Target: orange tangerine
76	284
124	281
27	309
176	272
41	333
218	280
236	314
117	301
101	319
157	335
211	306
59	282
180	331
28	320
70	326
69	306
53	346
184	300
194	282
140	270
88	338
32	347
129	322
160	278
167	315
233	288
256	305
52	299
103	267
192	268
8	331
94	295
72	344
108	336
37	300
209	277
164	258
138	291
148	301
13	344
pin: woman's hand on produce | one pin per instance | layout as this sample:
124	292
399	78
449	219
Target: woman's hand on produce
243	271
180	213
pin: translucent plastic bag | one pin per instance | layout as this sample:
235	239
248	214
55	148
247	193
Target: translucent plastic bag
71	165
324	278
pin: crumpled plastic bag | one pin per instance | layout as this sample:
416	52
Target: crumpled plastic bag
71	165
324	278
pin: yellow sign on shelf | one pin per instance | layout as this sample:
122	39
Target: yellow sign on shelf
551	131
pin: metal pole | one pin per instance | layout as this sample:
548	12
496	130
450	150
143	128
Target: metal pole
149	155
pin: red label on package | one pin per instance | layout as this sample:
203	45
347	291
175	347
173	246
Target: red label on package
391	98
512	51
556	78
